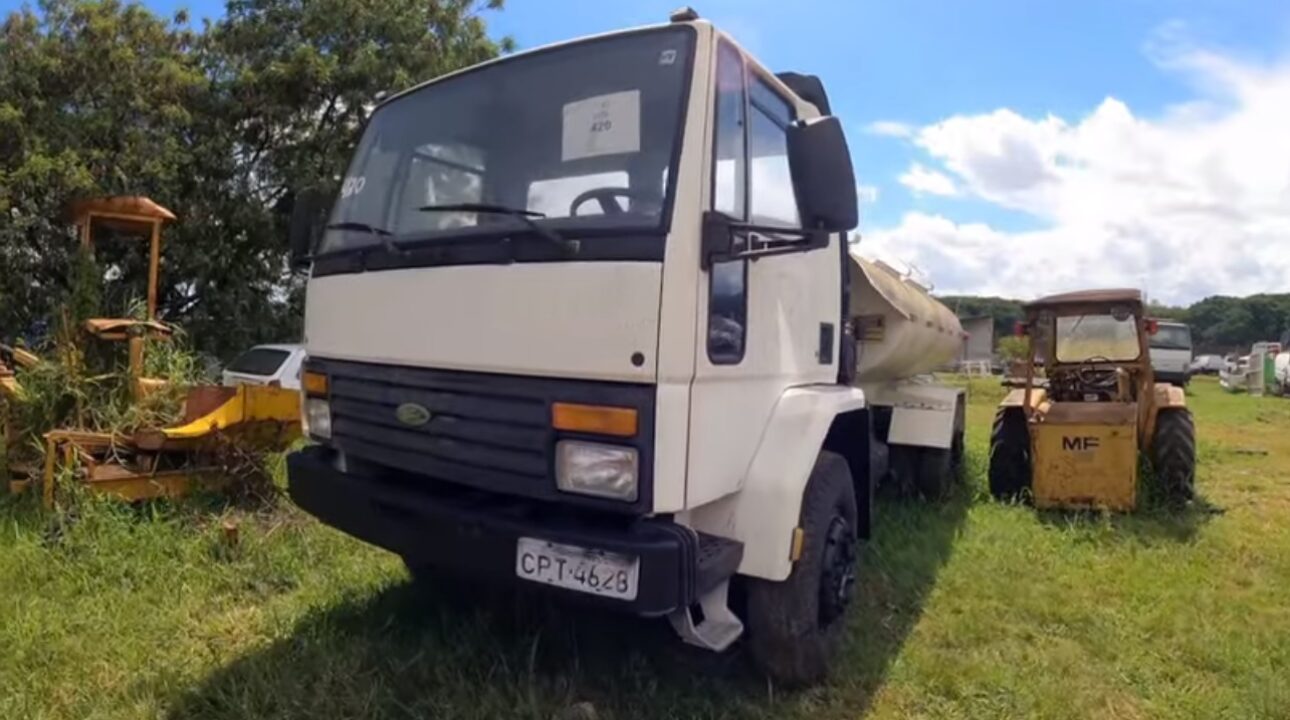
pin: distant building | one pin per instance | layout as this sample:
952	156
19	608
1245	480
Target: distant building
979	348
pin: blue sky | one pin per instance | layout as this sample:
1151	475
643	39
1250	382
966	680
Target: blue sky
969	81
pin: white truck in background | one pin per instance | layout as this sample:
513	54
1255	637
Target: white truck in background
585	319
1171	353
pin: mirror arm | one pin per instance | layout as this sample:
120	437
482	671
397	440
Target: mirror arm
716	242
779	249
718	239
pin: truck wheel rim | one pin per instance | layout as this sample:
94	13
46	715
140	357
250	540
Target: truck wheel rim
839	570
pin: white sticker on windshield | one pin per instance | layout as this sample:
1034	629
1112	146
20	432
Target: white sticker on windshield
602	125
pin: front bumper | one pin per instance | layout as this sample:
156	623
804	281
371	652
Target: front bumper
1179	377
475	533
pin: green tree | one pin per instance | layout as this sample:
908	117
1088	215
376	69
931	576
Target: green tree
1167	312
222	125
1005	312
95	98
1013	348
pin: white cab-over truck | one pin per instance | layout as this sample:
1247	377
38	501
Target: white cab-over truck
584	319
1171	353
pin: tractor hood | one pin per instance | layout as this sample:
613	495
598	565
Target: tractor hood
585	320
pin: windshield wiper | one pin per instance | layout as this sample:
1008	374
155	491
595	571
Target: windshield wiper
524	215
381	233
359	227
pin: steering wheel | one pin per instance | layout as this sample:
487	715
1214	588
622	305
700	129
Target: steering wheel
1090	376
605	196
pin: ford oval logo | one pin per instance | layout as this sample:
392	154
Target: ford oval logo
412	414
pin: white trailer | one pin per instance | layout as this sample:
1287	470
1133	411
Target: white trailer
585	319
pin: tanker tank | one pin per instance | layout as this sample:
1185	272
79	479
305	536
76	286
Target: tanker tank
900	329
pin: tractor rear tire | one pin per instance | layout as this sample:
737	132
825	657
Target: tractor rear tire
1173	454
796	626
1010	469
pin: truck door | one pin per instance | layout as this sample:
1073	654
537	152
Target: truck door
765	325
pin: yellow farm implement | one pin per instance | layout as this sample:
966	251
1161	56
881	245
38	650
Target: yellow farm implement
219	425
171	461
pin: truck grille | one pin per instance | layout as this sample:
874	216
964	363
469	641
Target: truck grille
491	432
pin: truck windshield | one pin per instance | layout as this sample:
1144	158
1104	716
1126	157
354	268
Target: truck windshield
1172	337
586	134
1088	337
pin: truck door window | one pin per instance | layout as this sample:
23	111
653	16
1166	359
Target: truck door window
728	312
730	184
728	281
772	199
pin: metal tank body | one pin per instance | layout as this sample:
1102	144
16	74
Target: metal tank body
900	330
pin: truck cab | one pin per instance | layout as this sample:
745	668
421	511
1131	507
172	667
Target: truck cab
578	320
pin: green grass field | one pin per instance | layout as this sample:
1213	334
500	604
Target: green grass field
966	609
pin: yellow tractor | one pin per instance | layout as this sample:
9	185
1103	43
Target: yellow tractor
1088	405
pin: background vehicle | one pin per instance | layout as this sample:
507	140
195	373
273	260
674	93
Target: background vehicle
1073	441
1257	373
275	365
1171	353
500	385
1207	365
1281	373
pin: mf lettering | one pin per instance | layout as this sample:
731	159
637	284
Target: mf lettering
1080	444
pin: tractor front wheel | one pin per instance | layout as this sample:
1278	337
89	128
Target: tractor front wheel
1173	454
1010	471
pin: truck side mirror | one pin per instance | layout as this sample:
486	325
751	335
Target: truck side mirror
823	179
303	231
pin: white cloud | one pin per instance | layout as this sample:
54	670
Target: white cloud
922	180
867	194
890	128
1193	202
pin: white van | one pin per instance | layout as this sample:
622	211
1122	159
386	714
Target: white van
1171	353
1207	365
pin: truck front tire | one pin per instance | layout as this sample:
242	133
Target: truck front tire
796	627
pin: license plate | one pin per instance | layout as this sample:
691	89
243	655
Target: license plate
597	572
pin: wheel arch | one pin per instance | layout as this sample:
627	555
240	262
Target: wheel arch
1169	397
764	513
852	435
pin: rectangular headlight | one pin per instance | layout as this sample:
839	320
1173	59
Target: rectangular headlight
587	468
316	419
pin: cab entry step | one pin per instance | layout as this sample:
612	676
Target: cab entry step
716	560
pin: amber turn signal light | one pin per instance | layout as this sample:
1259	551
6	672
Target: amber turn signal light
313	383
594	419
